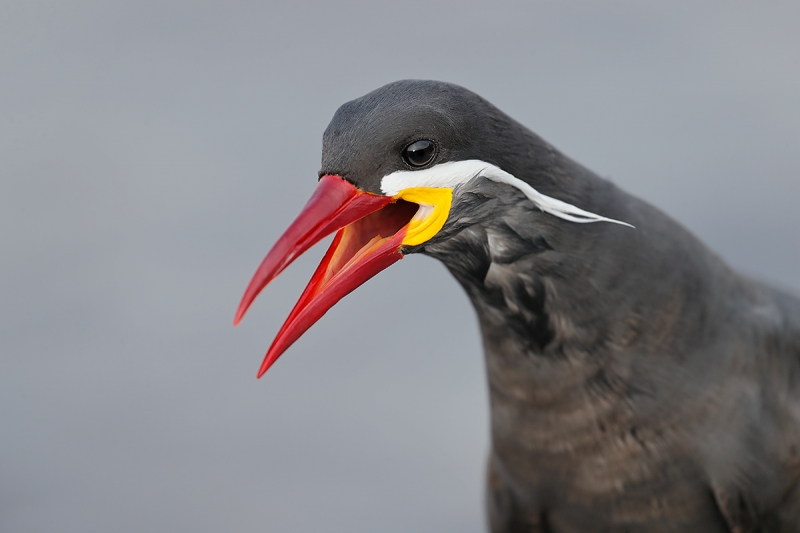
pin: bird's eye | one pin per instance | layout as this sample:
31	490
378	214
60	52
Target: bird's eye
419	153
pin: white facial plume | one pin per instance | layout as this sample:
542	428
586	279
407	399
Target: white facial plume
458	172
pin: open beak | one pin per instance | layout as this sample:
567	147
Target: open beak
371	229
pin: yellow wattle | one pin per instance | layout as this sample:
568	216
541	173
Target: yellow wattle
422	229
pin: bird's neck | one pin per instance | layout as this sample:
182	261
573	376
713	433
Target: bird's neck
572	314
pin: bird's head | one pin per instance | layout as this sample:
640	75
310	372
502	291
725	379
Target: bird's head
404	167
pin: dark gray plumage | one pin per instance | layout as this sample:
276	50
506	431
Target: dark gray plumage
637	383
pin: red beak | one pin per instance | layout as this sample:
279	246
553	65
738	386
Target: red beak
371	231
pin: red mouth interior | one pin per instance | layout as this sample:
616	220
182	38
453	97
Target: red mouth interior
359	251
367	234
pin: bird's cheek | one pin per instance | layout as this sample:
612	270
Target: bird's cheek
435	203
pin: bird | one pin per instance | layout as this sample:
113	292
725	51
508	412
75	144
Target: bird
636	382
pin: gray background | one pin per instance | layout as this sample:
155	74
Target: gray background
151	152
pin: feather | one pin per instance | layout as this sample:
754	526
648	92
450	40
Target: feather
455	173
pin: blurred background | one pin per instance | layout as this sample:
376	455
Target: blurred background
151	153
